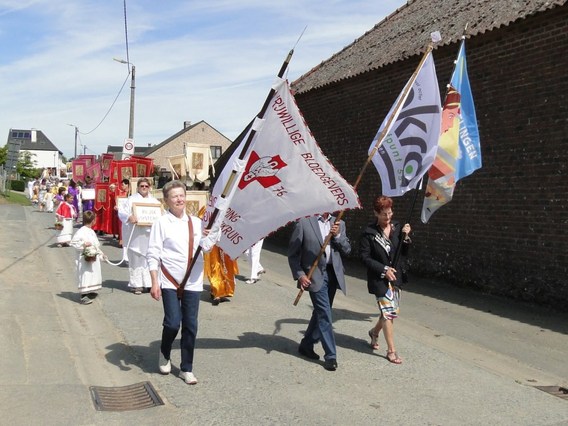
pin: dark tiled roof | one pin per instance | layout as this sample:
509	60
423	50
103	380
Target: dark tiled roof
406	32
42	142
171	138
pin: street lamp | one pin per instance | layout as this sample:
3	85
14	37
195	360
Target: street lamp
132	89
76	131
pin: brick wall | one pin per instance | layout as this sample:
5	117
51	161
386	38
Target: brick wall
506	230
202	133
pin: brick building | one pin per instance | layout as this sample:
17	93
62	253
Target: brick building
506	229
200	133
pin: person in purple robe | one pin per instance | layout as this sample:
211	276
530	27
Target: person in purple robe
72	189
88	204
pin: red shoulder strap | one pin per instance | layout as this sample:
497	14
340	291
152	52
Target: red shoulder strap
180	286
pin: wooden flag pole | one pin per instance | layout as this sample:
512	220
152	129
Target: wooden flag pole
425	182
320	254
380	139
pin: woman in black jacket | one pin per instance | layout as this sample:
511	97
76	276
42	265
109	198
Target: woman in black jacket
377	249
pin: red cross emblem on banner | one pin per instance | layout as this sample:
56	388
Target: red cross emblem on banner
263	170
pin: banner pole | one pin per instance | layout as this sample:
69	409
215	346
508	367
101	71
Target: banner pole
232	179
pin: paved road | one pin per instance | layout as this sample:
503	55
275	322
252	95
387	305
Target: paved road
468	358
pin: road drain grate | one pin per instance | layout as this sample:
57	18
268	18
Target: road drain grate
555	390
133	397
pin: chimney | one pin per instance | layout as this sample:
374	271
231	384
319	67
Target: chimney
186	124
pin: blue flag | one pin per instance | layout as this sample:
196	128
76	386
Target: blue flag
469	159
459	152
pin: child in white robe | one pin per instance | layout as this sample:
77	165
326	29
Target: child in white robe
89	277
49	201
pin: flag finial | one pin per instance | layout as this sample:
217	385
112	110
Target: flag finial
436	37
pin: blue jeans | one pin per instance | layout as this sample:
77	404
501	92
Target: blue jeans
321	323
178	311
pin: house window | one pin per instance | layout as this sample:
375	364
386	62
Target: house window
21	135
215	151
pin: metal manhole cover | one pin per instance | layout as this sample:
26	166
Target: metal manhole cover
555	390
132	397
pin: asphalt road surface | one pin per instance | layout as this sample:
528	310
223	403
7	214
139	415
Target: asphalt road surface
469	358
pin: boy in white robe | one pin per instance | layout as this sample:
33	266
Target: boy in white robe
89	277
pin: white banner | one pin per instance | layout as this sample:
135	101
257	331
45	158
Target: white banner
409	147
284	176
197	159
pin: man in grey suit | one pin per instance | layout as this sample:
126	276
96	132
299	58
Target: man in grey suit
305	244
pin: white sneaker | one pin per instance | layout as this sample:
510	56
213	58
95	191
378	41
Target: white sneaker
165	364
188	377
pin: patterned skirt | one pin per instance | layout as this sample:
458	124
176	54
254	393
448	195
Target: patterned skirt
389	304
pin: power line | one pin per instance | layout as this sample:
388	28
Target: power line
110	108
123	84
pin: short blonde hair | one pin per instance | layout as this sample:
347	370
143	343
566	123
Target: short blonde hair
142	180
171	185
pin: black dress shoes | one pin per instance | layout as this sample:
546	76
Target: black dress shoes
308	353
216	300
330	364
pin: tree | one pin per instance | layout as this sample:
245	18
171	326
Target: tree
3	155
26	165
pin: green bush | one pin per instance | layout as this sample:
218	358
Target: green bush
17	185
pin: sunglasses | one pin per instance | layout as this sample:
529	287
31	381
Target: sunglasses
143	186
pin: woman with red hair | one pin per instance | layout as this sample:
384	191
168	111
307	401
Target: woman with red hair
377	249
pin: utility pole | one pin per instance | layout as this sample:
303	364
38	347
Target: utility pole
132	90
76	132
132	69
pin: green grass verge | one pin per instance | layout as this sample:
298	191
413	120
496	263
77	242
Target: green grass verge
13	197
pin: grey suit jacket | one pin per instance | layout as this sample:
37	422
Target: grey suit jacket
306	242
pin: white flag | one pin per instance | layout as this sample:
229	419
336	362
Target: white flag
283	176
409	146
